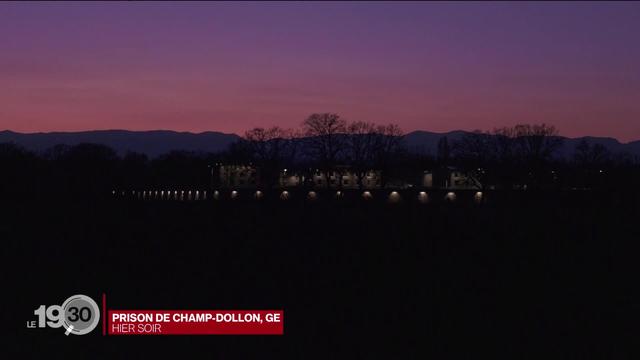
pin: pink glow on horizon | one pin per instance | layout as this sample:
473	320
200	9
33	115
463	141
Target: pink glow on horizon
223	67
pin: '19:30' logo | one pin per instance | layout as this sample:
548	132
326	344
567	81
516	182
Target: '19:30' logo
79	315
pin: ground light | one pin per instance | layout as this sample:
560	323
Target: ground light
423	197
284	195
394	197
312	195
367	195
451	196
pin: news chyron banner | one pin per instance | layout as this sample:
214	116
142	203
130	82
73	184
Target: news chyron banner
80	315
195	322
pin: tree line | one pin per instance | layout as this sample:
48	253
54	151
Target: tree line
326	142
522	156
527	156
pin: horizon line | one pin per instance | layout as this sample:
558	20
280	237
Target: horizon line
239	135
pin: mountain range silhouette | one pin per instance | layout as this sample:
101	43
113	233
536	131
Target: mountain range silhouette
157	142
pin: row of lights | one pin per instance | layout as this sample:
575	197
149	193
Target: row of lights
393	197
166	195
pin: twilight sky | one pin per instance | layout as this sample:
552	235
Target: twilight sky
232	66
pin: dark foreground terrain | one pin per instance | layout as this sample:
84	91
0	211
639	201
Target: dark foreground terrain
523	275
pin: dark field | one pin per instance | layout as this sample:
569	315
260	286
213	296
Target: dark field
522	275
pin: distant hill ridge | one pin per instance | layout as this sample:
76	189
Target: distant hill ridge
426	141
157	142
152	143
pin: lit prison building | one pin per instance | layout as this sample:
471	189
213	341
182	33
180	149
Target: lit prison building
237	176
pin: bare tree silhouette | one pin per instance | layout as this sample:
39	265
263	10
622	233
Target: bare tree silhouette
388	146
509	155
325	140
588	155
362	138
271	149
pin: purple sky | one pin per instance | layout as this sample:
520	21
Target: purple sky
232	66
